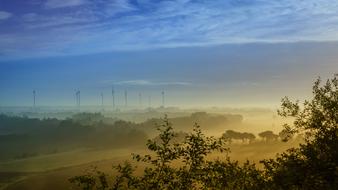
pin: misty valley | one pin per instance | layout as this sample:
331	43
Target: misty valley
33	146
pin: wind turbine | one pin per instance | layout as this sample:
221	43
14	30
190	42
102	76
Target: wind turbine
126	98
34	96
102	99
140	100
149	101
162	99
77	98
113	95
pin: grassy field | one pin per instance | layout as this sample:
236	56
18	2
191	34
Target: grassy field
58	179
55	167
53	171
65	159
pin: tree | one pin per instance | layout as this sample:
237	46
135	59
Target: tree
248	136
230	135
314	165
268	136
285	135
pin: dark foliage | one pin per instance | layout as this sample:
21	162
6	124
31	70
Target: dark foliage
268	136
233	135
315	164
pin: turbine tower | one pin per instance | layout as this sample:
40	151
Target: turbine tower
77	98
34	96
149	101
140	99
126	98
113	95
162	99
102	100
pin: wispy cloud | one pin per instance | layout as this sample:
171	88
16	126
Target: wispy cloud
5	15
110	25
52	4
145	83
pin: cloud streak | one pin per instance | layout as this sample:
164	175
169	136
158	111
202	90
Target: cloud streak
52	4
120	25
5	15
146	83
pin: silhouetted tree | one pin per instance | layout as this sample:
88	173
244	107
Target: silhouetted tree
232	135
314	165
285	135
248	136
268	136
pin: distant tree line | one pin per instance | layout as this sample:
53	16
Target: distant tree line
202	118
22	137
231	135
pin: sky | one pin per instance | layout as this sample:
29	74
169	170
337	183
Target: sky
200	52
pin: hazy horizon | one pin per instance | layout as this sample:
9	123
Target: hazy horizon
249	75
200	53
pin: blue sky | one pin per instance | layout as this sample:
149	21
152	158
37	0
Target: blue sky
201	52
36	28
